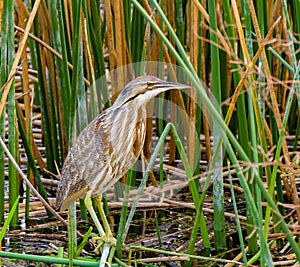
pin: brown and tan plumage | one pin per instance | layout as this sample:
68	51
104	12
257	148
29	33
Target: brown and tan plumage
110	144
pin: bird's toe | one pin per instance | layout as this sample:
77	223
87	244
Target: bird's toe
101	240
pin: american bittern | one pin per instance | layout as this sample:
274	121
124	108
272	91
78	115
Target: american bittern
107	148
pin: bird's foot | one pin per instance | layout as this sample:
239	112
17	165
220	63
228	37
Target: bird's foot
106	246
108	241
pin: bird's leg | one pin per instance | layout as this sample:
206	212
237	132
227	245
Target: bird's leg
109	235
99	205
89	205
108	242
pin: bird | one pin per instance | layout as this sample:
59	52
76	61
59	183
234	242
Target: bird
107	148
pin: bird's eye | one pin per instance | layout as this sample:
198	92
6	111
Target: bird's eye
150	84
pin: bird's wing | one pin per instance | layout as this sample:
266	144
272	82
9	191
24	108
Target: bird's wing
82	163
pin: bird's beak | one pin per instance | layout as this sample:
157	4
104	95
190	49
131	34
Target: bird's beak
163	86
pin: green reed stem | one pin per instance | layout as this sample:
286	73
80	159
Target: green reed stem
59	42
252	241
14	183
189	257
94	29
31	163
170	127
179	19
158	232
218	192
72	235
83	242
7	58
42	94
199	219
3	78
122	222
77	71
55	260
9	218
137	40
238	224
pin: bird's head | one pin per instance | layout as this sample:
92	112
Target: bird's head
143	88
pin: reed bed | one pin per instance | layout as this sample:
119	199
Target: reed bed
230	144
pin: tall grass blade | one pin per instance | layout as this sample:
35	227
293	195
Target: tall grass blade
7	59
238	223
219	219
31	162
64	85
9	218
252	242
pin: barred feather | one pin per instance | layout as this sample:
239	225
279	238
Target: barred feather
110	144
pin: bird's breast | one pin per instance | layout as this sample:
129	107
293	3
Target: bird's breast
126	151
125	146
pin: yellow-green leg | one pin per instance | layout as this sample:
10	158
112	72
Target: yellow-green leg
109	235
108	242
99	205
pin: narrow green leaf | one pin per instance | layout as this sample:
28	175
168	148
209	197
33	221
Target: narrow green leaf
9	218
